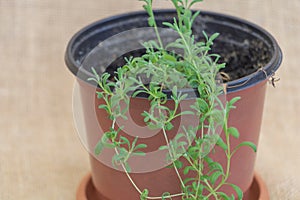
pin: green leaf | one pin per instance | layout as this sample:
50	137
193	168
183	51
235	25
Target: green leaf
208	160
146	118
188	169
139	153
202	105
115	100
124	140
205	35
92	79
248	144
234	132
223	196
193	152
196	1
215	166
96	74
184	96
187	180
103	106
233	101
216	116
168	25
106	141
144	194
174	93
123	152
165	147
215	176
238	191
165	196
187	112
137	93
178	164
134	142
140	146
151	21
169	126
214	36
222	144
99	147
153	126
169	57
127	167
194	16
99	95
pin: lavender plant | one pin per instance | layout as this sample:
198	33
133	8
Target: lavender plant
195	68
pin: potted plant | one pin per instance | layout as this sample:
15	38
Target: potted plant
167	119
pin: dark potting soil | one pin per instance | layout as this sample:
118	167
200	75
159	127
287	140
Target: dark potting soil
244	60
241	59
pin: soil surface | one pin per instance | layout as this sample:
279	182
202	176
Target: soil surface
241	59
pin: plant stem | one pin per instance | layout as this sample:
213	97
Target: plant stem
212	191
175	168
228	155
132	181
155	26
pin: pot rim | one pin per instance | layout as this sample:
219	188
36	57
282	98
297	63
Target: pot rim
250	80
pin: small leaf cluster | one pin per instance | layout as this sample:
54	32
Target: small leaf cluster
152	74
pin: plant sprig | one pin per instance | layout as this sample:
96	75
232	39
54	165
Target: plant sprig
161	69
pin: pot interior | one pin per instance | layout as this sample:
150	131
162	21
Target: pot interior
251	54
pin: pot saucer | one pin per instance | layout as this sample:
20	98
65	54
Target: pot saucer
87	191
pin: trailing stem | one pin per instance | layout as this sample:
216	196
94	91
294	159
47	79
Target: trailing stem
197	70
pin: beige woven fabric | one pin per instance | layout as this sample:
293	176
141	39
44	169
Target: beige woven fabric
40	154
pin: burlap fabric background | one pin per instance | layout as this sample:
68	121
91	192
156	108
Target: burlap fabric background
41	157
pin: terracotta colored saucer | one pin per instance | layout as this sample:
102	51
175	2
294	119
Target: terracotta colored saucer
87	191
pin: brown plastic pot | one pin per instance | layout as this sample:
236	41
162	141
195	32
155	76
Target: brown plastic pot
114	184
